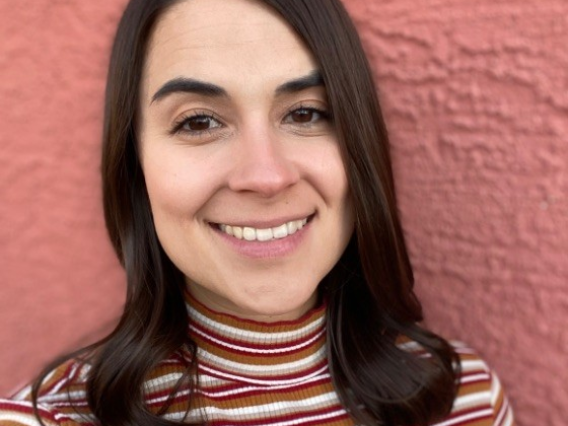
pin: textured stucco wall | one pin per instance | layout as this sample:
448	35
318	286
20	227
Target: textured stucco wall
59	282
476	98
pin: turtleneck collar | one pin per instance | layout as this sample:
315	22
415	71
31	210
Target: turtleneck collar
259	353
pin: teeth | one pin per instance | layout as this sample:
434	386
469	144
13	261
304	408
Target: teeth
252	234
292	227
264	234
238	232
249	234
280	232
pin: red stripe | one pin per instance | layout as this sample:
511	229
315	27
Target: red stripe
27	409
237	385
288	418
291	325
233	386
258	392
474	382
209	334
211	393
291	376
470	420
470	411
65	378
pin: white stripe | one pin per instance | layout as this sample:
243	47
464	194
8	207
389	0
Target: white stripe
496	390
64	380
274	409
159	382
210	381
24	419
23	394
276	369
76	417
63	397
69	404
471	401
475	378
297	421
151	401
508	413
472	365
470	416
269	381
256	335
501	414
206	381
259	351
24	404
240	390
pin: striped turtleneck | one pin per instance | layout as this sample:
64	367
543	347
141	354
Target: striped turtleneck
255	373
248	374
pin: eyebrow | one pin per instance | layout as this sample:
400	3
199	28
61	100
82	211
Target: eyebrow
313	79
190	85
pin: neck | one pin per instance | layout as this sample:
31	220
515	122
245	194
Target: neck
272	311
248	350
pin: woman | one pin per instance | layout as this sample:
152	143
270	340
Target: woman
248	193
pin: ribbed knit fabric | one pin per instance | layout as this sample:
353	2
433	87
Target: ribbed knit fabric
252	374
256	373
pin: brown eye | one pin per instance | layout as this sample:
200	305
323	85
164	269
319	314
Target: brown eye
302	115
197	124
200	123
305	116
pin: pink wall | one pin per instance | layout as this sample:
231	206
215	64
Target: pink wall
476	98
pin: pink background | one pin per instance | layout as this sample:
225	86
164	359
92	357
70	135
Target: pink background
476	99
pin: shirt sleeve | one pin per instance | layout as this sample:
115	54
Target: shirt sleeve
481	400
21	413
60	391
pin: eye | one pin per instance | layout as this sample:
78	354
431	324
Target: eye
196	124
305	115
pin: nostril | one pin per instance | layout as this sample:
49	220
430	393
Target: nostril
266	179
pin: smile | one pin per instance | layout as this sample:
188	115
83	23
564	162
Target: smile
254	234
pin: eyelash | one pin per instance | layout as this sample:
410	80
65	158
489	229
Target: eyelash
324	114
179	124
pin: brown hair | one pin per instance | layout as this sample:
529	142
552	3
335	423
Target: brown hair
369	291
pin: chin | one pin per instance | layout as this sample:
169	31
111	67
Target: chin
277	309
251	298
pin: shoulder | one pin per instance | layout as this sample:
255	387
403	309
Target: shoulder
481	400
21	413
62	399
61	396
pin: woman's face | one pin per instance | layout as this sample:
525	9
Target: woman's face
246	183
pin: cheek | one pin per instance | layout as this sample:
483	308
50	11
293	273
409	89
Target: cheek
339	194
328	176
178	190
176	187
331	177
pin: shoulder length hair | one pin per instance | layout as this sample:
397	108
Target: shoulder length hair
370	290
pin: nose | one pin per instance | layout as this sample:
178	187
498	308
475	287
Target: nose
261	164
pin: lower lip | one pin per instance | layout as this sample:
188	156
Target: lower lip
266	249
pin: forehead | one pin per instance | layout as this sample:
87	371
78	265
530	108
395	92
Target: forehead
229	42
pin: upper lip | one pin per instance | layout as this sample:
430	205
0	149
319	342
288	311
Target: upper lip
265	223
